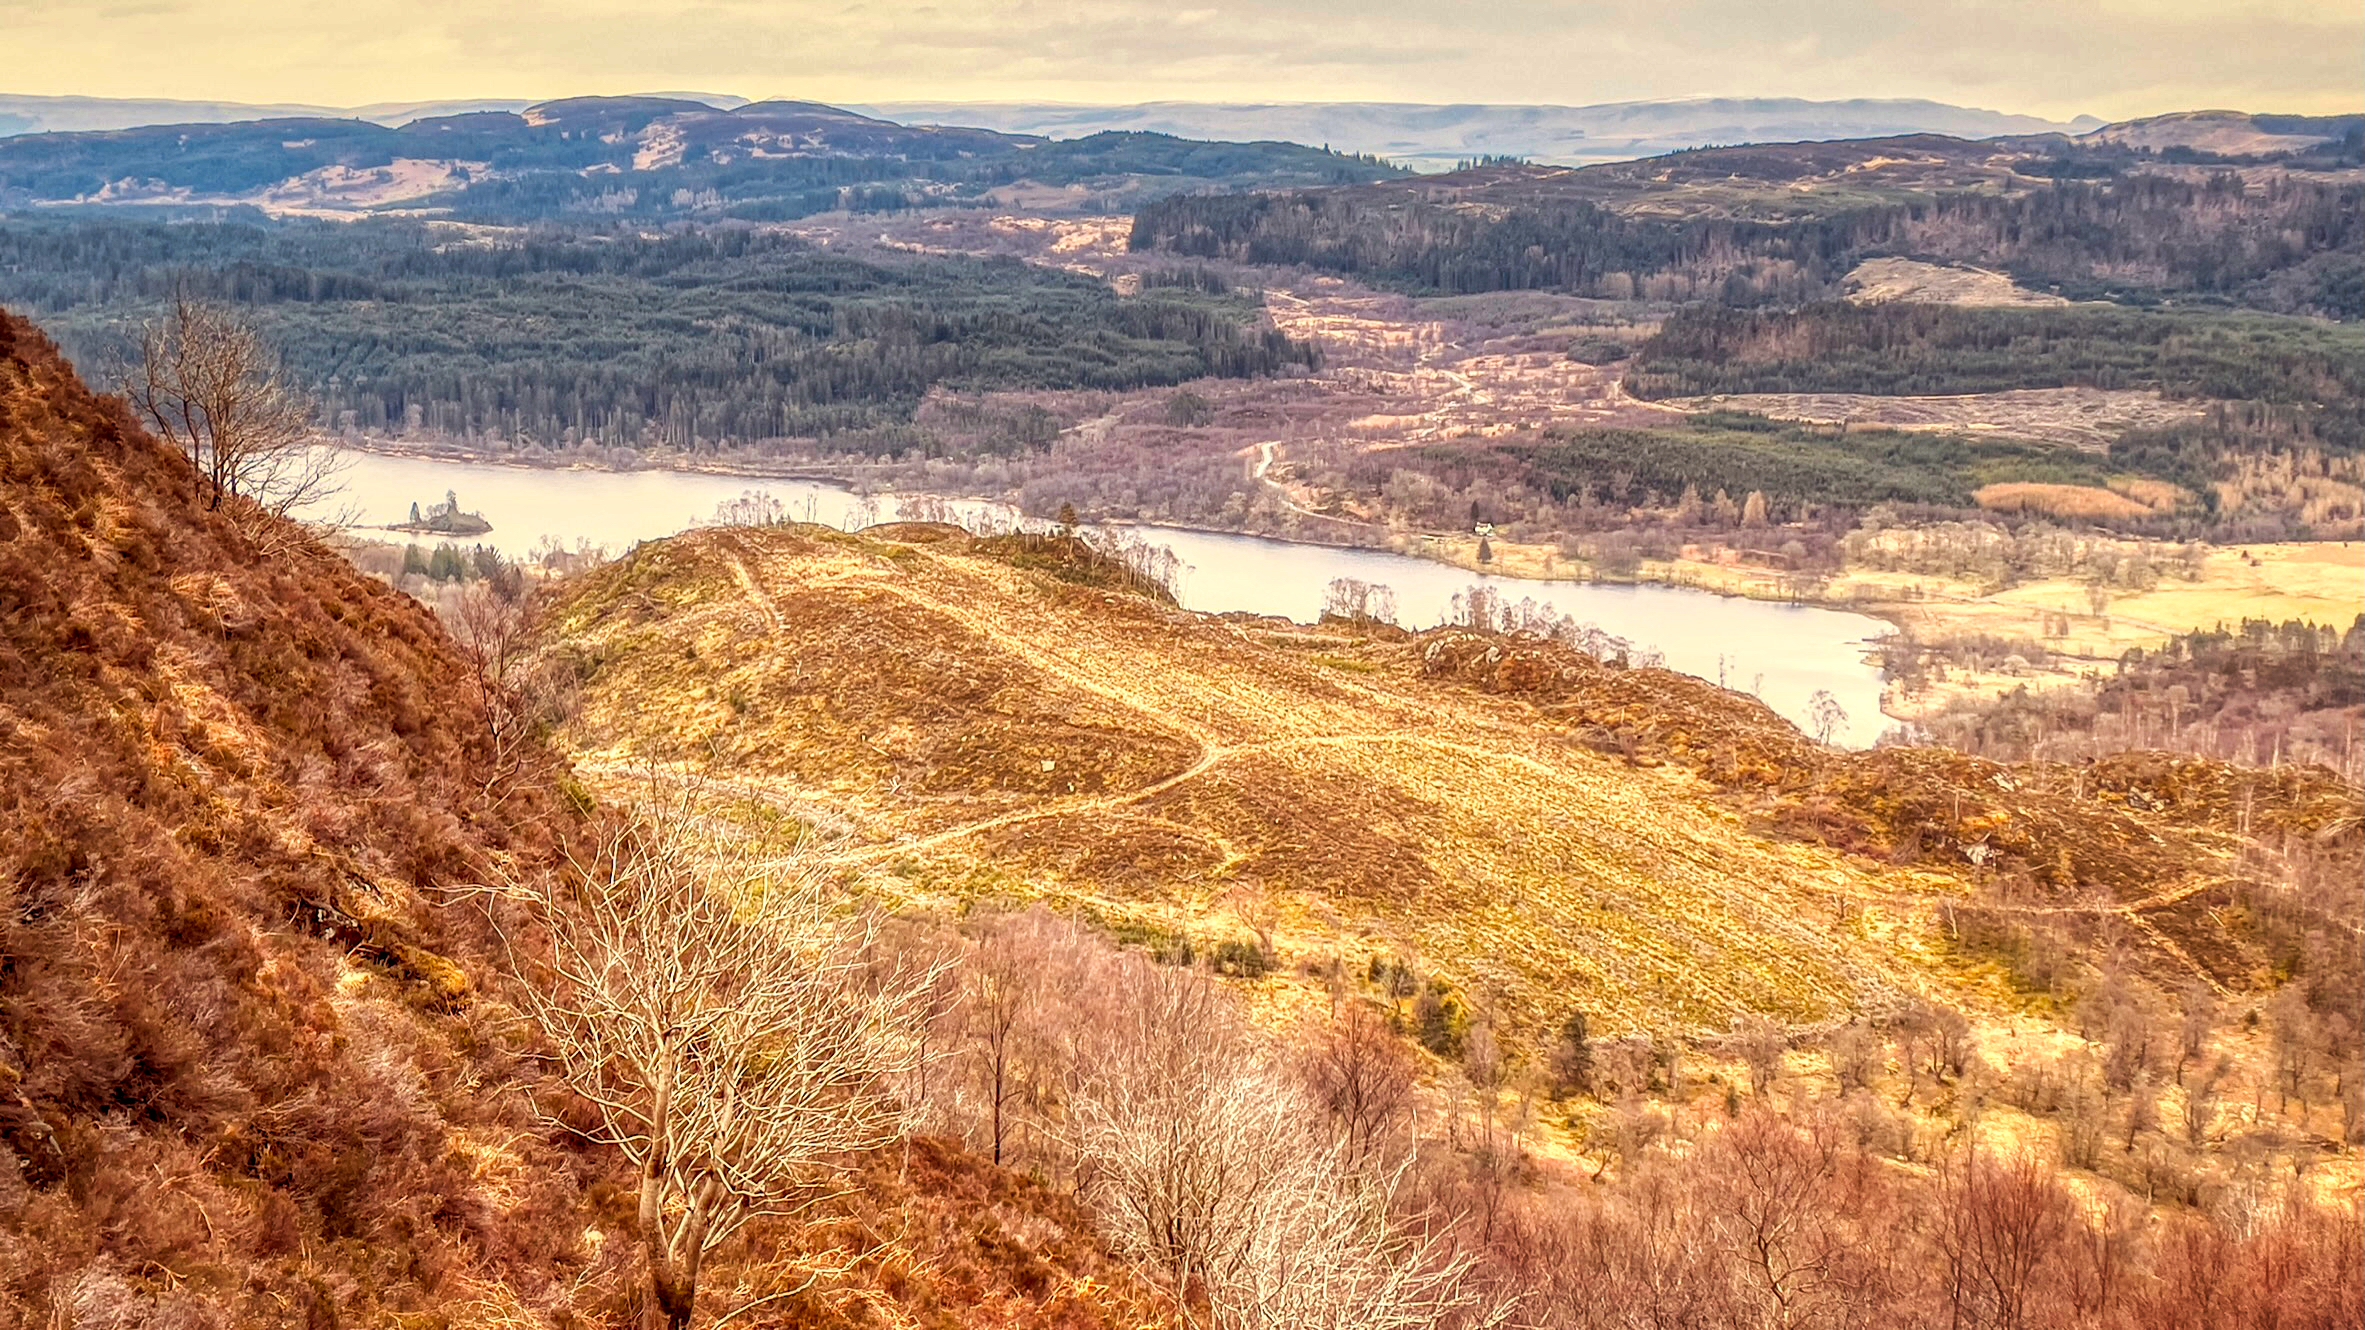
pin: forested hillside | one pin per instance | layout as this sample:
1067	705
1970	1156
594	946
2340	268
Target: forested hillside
1796	469
638	157
625	339
1763	227
1912	349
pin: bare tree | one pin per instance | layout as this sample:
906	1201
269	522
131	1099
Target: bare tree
489	618
1209	1168
1001	989
1857	1055
2198	1109
722	1019
1363	1077
2293	1027
1760	1043
751	508
2199	1020
1827	713
1487	1066
1999	1224
1359	602
2084	1121
1785	1207
210	385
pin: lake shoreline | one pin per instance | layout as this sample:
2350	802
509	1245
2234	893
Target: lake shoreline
1422	546
1695	629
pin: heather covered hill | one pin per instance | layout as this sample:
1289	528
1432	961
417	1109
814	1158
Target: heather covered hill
256	1068
239	1048
1538	825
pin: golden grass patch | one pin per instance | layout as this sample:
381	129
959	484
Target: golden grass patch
2073	502
987	732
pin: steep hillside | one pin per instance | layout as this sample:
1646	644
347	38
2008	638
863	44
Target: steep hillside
254	1071
1546	830
237	1045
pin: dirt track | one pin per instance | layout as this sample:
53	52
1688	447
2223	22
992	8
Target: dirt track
982	733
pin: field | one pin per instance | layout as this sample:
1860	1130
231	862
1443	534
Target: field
2313	581
1876	280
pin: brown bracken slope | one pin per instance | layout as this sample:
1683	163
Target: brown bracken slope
251	1072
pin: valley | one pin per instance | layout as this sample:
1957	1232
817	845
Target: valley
670	711
1377	450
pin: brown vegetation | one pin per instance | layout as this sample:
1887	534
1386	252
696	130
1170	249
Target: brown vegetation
1437	980
2075	503
253	1070
237	1038
911	690
1383	810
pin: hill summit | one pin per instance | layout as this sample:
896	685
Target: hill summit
1543	829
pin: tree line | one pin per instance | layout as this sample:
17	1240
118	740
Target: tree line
2260	694
1900	349
2293	245
614	337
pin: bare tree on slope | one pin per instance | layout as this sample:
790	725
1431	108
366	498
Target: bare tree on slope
725	1021
209	384
1211	1168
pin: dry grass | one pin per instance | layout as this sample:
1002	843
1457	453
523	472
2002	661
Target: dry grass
258	1065
2083	418
2315	581
991	735
2072	502
1876	280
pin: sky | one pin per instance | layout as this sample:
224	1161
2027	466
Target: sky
2058	58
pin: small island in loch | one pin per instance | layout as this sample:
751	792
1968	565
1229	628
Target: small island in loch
444	519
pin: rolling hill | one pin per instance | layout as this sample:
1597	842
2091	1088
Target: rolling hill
619	157
989	726
2234	134
1435	137
1432	136
1783	223
21	114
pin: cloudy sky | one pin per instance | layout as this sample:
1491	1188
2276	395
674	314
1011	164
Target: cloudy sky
2113	58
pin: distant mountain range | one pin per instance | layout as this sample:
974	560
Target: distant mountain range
1425	137
69	115
1436	137
712	158
624	158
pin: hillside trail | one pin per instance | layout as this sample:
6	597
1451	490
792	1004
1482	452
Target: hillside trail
1228	696
1246	709
1214	745
1268	452
736	554
1208	759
